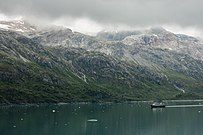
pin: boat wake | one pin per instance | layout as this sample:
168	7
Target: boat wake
175	106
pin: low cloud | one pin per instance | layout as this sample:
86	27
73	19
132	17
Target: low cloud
96	15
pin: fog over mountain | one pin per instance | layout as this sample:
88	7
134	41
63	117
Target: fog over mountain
90	16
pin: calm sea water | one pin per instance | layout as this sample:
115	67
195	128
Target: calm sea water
101	119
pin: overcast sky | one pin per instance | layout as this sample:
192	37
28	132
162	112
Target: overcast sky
180	16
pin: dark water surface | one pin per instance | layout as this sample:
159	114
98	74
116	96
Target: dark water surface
102	119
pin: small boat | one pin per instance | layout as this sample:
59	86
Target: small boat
158	105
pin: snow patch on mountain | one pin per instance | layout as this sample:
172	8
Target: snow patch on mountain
4	26
18	26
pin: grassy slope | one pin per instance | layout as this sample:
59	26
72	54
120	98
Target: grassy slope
29	88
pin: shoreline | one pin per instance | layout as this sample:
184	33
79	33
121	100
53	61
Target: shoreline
82	103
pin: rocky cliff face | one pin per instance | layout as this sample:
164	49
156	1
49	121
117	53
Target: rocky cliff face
58	65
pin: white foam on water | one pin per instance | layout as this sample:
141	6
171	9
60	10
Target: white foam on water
92	120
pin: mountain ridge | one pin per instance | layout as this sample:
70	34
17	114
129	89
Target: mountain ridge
59	65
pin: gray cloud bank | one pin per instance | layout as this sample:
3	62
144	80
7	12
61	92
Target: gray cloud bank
186	13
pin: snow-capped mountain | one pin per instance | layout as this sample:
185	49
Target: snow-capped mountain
122	43
159	37
18	26
162	39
